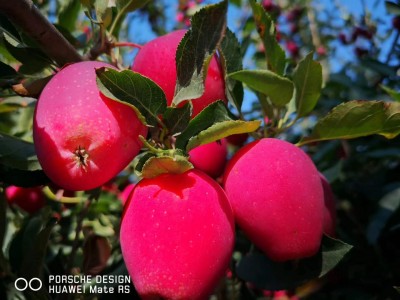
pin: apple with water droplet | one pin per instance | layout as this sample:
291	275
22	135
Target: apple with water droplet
277	198
82	138
177	236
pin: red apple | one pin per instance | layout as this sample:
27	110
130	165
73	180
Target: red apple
124	195
321	50
237	139
28	199
156	60
292	48
271	7
210	158
177	236
83	139
329	208
396	22
361	52
277	198
295	14
343	38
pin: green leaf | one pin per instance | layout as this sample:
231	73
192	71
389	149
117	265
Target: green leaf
89	4
333	251
196	50
213	113
131	88
140	160
392	93
22	178
130	5
267	274
18	154
276	58
18	163
279	89
231	59
378	67
33	59
238	3
100	7
221	130
160	165
392	8
307	79
357	118
207	120
7	30
28	249
68	13
177	118
96	253
8	75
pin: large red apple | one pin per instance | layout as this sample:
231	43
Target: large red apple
83	139
156	60
277	198
210	158
177	236
28	199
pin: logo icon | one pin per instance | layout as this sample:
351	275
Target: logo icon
21	284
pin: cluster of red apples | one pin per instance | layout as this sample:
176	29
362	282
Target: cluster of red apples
178	230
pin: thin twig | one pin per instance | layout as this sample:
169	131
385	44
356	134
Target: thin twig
392	48
316	40
78	230
127	44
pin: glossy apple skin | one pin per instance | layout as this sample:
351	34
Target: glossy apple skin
156	60
329	208
177	236
29	199
210	158
73	116
277	198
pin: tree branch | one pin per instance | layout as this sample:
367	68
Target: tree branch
28	18
316	40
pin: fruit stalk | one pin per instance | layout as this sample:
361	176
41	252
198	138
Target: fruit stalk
78	229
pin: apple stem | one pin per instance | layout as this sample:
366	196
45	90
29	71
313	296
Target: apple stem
127	44
149	146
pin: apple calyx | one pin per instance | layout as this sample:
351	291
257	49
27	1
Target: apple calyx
81	157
